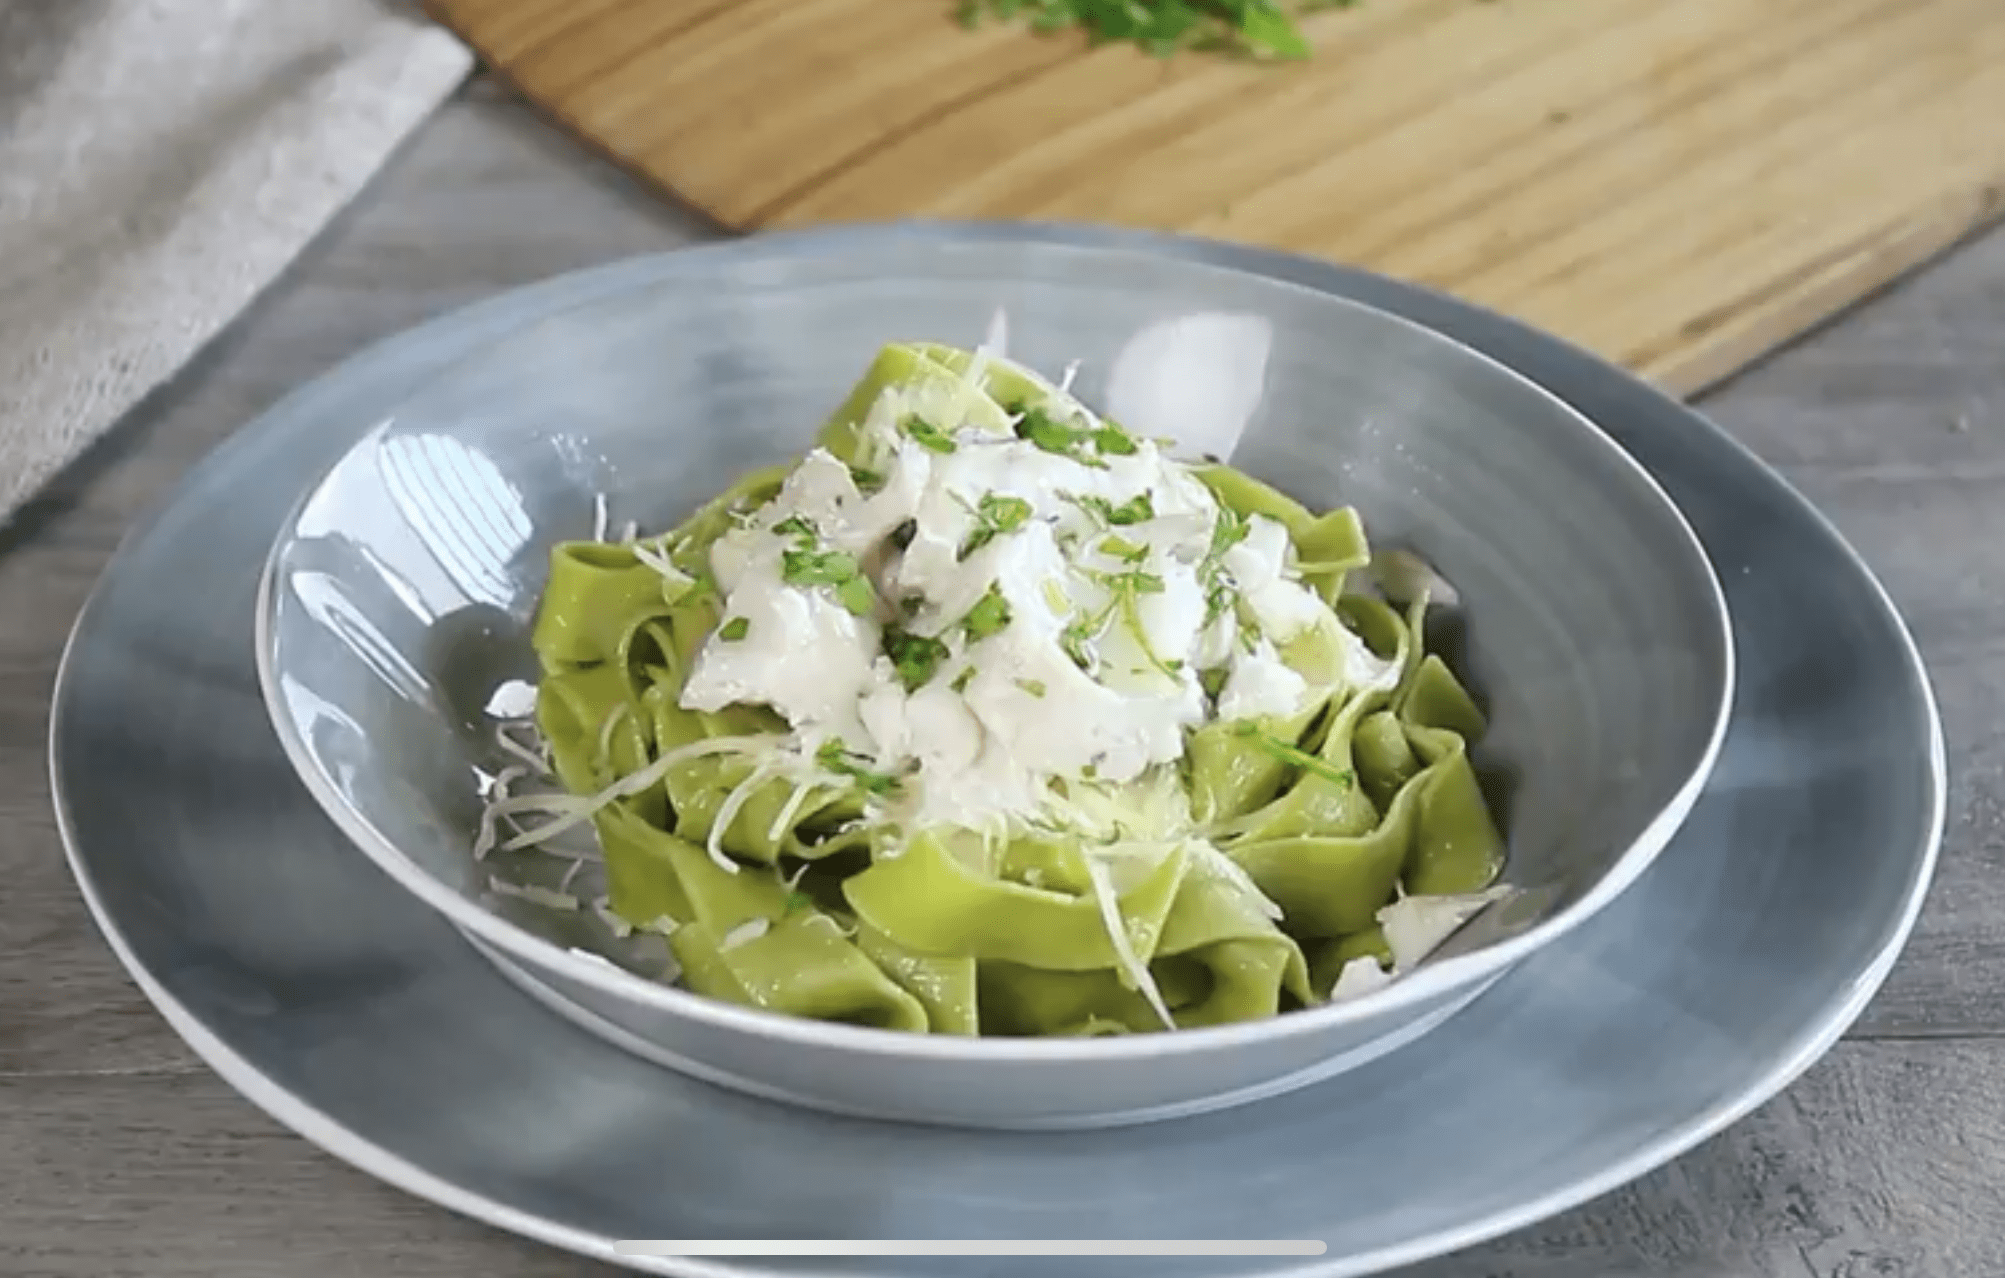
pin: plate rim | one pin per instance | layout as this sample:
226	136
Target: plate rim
300	1116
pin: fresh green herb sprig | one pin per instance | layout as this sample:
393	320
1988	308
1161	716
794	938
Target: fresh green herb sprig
1077	637
807	567
1287	753
1139	509
1226	532
1264	29
929	436
916	657
989	616
995	515
836	569
835	757
1078	441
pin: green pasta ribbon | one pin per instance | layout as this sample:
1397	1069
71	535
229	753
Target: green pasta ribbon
779	890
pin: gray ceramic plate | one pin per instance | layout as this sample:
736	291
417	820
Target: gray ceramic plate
358	1016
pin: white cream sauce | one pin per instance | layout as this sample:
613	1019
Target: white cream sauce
1004	713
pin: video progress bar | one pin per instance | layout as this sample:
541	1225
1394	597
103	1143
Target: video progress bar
979	1247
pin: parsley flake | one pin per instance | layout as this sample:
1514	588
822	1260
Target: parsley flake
817	567
928	436
734	630
989	616
917	658
1066	439
836	569
835	757
857	595
995	515
798	527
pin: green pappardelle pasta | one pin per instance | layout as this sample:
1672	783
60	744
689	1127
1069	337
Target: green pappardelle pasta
989	717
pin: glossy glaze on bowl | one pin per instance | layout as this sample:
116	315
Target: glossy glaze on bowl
397	601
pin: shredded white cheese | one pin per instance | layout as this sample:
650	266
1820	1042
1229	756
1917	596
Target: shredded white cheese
1124	949
533	894
1360	976
1416	926
749	930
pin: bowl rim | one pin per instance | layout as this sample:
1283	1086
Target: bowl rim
1406	994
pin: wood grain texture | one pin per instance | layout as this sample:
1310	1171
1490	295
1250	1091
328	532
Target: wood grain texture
121	1156
1679	186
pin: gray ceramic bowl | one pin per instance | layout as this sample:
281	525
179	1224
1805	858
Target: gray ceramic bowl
397	600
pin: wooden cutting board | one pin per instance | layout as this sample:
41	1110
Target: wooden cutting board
1679	185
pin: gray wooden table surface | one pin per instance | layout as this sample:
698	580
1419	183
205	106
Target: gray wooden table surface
120	1154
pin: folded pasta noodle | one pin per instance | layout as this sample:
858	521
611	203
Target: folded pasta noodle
989	717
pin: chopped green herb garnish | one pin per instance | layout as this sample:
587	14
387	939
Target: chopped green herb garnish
1226	532
817	567
735	629
963	679
1212	681
1035	687
1084	630
865	478
1136	510
1216	600
1073	640
1112	439
1243	28
1287	753
1054	436
857	595
798	901
929	436
1044	430
1122	549
834	756
1132	582
916	657
989	616
836	569
995	515
796	526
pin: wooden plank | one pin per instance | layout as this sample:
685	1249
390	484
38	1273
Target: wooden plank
1680	187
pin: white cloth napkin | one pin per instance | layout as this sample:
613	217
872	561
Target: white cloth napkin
160	162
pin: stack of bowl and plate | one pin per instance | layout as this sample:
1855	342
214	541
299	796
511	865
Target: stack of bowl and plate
1721	775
